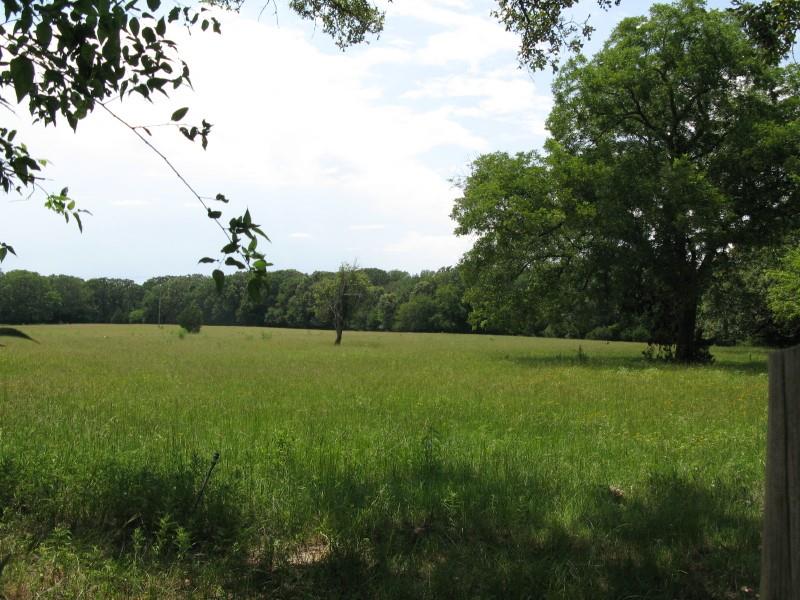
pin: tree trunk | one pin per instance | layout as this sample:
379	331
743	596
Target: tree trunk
338	324
686	342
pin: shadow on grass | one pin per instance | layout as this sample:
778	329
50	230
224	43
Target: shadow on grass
590	360
107	502
474	537
430	530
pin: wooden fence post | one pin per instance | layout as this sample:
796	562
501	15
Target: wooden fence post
780	545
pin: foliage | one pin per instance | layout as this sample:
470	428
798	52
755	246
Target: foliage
435	304
736	306
772	24
287	301
25	297
191	318
14	333
338	296
784	292
676	143
65	59
546	29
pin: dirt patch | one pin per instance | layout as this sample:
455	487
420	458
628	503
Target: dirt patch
310	553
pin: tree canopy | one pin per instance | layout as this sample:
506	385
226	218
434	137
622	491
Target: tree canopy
547	29
389	300
338	296
784	293
673	145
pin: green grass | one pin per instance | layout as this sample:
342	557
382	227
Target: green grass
397	465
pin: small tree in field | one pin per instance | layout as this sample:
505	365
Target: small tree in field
337	297
191	318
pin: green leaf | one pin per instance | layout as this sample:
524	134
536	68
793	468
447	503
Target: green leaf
153	4
206	259
261	233
232	262
214	214
221	198
149	35
11	332
180	113
21	69
44	34
219	278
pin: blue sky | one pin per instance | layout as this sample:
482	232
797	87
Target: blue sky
340	156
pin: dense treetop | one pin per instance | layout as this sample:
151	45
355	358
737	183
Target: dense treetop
673	145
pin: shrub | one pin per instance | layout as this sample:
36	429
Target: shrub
608	332
638	333
191	318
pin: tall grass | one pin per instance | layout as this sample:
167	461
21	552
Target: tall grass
397	465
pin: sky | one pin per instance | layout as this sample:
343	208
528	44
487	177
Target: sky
339	156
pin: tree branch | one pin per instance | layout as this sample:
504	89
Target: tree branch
172	167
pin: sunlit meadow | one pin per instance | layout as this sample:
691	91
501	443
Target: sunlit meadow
396	465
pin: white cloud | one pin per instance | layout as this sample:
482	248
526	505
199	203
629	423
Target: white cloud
496	96
131	203
322	144
367	227
469	37
416	246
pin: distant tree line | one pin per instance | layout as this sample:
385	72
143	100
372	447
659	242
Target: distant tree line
757	301
392	300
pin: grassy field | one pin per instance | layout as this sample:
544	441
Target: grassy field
397	465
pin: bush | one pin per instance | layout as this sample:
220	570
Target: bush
608	332
191	318
136	315
638	333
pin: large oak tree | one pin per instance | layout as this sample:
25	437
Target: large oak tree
674	144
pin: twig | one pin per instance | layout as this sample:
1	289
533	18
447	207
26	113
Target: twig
135	131
214	461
